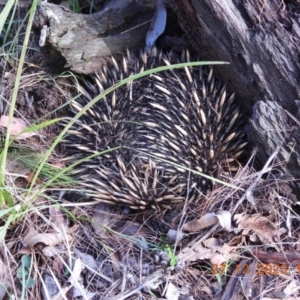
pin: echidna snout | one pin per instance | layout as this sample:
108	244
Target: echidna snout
165	125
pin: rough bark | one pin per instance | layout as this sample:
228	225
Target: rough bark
259	38
274	129
83	40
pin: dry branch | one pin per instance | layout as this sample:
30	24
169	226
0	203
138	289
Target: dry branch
83	40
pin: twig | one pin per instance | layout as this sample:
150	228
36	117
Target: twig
264	170
151	278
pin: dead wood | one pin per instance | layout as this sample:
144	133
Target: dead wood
259	38
285	259
272	128
83	40
240	283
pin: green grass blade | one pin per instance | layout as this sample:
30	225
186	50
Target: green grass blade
69	168
6	211
5	12
3	156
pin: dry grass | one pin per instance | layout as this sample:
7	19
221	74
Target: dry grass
125	257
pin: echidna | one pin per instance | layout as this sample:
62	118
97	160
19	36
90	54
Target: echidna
166	125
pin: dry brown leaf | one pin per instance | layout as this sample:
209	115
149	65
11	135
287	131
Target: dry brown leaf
48	239
223	249
219	259
196	225
17	126
222	254
264	228
213	250
212	242
29	177
195	253
221	217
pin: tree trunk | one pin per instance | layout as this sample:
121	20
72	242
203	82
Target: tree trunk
259	38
